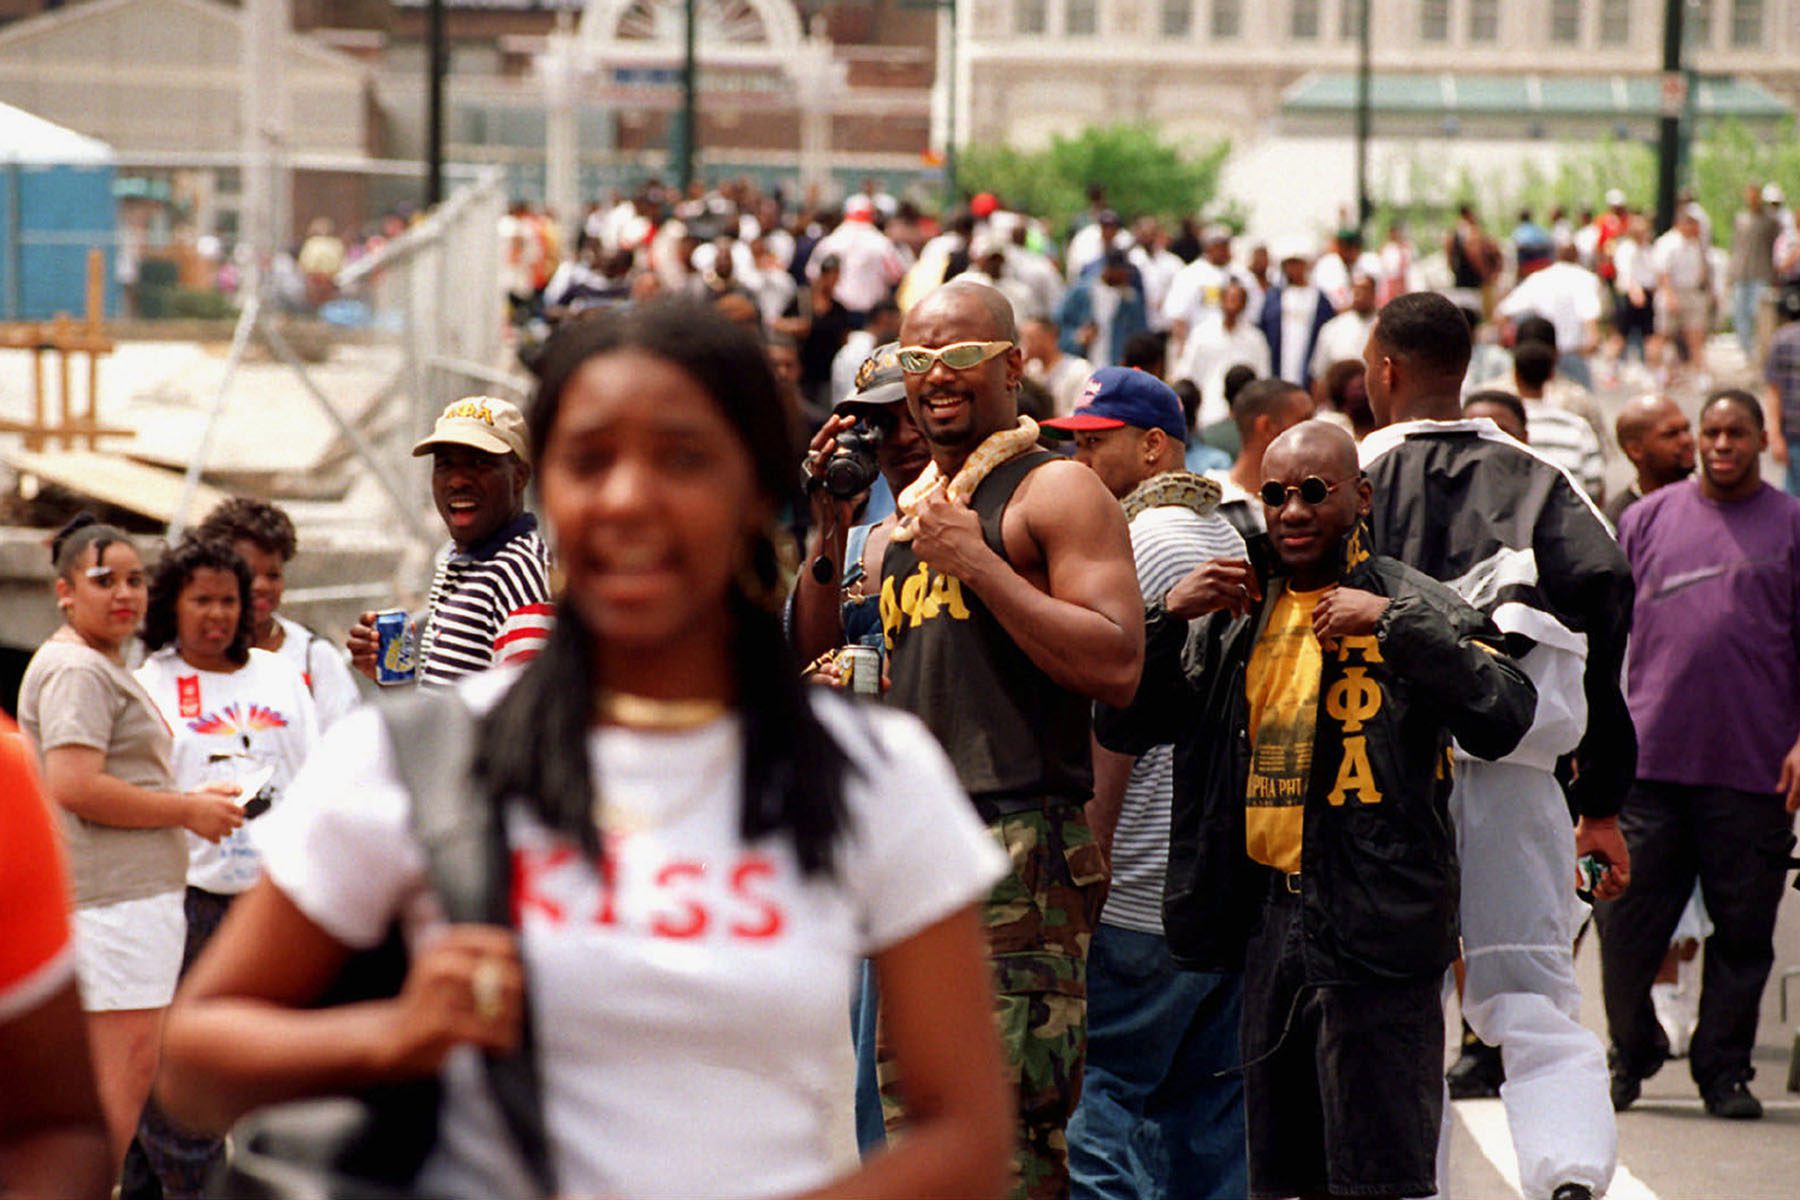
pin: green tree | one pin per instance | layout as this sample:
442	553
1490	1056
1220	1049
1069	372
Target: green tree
1144	174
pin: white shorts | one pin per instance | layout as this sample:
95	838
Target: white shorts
128	955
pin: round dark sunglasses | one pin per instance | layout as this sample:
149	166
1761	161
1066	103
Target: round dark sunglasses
1312	489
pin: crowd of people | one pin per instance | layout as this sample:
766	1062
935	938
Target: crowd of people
1170	676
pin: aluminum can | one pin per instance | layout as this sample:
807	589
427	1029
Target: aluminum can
1589	871
397	648
860	667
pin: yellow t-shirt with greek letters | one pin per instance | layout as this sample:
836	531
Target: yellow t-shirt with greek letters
1282	686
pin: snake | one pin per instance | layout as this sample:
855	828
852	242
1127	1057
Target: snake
1173	489
994	450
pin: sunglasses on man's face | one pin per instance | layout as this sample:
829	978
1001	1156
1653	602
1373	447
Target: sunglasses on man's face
959	356
105	577
1312	489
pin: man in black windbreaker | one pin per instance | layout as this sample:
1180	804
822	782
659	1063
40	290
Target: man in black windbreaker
1311	705
1514	535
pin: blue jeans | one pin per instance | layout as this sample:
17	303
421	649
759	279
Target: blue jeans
1574	368
1162	1103
871	1135
1745	297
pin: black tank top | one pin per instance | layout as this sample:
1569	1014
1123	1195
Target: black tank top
1009	729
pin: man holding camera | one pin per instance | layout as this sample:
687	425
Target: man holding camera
869	445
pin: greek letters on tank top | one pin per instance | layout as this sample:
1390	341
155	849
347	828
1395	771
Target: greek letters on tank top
1010	731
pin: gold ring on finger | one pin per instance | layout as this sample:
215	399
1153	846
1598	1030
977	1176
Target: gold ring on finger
486	985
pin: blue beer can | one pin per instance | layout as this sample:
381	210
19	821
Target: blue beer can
397	648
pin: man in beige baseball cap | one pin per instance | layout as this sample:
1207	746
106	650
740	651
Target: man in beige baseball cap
488	424
490	597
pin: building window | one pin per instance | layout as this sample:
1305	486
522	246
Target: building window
1565	22
1699	23
1082	18
1615	22
1484	20
1177	18
1303	20
1746	22
1434	20
1350	15
1227	18
1031	16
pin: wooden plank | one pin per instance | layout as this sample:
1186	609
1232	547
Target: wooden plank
115	480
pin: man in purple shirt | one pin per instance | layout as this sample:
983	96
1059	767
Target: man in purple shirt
1713	680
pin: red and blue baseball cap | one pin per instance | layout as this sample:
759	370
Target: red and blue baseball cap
1118	396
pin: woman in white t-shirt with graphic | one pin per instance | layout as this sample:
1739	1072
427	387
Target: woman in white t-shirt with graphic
264	538
702	850
239	716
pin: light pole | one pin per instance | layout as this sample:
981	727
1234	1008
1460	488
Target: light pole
1364	118
435	66
684	130
1674	101
950	113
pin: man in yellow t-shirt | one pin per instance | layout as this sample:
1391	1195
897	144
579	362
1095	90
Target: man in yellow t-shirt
1312	702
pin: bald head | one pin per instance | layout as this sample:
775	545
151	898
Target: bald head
1312	448
1640	415
1658	439
984	311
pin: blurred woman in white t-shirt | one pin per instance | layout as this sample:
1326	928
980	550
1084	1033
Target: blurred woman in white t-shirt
239	716
702	849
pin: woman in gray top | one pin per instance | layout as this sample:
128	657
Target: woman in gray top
104	751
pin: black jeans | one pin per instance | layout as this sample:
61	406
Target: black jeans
1343	1084
1676	834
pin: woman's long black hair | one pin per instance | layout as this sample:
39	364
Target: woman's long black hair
534	745
172	573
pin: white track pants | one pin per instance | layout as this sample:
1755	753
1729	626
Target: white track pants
1519	915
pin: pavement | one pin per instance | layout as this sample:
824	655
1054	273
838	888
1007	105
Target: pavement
1669	1149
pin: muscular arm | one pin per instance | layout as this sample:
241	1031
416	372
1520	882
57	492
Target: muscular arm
1086	631
52	1136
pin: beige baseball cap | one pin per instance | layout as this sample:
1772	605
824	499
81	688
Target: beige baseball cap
486	423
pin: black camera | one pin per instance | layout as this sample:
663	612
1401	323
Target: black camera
852	469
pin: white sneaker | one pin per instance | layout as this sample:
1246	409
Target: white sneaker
1678	1006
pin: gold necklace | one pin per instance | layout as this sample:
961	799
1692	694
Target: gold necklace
644	712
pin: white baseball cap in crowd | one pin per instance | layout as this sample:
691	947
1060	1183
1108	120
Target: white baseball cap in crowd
1772	194
1615	198
485	423
1297	246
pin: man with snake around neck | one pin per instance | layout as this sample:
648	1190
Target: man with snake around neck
1009	602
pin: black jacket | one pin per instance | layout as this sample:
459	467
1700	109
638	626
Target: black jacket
1379	876
1519	540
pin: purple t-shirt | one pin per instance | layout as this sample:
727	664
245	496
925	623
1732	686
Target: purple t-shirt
1713	677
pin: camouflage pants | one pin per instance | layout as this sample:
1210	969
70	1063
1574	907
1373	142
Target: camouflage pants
1039	920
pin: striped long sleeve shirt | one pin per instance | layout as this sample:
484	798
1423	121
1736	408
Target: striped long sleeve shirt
1167	542
489	606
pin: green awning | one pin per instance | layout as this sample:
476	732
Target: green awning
1448	95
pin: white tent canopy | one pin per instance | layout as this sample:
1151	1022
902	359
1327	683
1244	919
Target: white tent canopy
28	139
